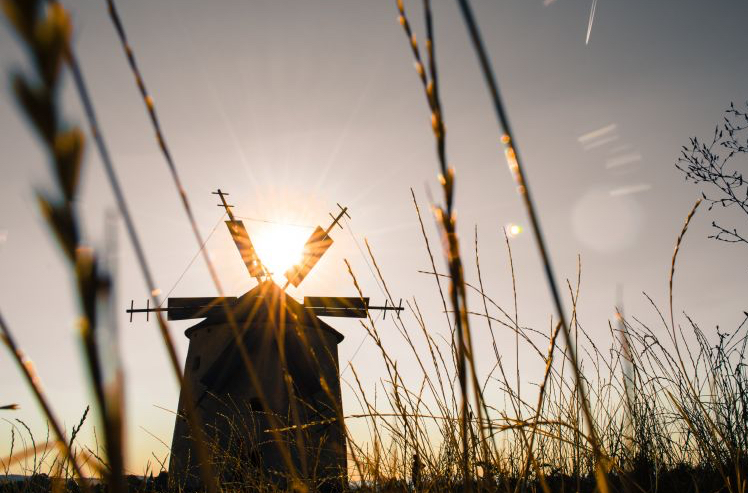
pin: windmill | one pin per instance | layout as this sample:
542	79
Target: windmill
286	415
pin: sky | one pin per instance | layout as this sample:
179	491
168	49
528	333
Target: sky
292	107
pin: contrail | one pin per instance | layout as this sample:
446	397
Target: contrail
592	19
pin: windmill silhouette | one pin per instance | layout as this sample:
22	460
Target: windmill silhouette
264	373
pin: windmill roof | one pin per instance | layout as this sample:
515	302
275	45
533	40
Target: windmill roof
266	301
262	309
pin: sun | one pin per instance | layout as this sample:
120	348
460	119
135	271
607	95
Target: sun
279	247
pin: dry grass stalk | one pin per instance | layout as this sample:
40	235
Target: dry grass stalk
446	218
555	445
45	30
513	159
236	331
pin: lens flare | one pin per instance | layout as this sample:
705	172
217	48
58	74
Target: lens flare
513	230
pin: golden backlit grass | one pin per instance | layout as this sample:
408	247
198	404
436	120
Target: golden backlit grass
642	415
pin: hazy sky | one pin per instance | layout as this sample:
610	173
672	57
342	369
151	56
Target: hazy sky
294	106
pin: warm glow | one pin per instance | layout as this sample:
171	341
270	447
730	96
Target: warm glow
513	230
279	247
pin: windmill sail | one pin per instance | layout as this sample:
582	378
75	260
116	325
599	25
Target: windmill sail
337	306
187	308
315	247
246	249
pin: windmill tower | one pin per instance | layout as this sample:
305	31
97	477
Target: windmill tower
264	374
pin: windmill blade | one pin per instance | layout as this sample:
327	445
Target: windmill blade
242	241
246	249
188	308
336	306
315	247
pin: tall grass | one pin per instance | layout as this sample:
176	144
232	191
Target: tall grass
644	414
661	437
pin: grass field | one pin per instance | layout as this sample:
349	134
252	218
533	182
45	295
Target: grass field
643	414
